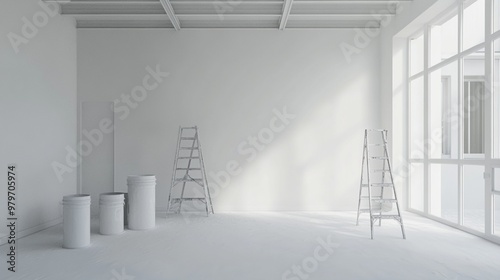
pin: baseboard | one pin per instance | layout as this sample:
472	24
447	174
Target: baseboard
31	230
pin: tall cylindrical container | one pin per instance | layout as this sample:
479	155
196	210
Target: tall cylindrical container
76	221
141	198
111	213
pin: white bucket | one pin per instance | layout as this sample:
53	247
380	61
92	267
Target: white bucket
76	221
111	213
141	197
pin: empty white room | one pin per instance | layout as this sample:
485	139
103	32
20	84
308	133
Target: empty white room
250	139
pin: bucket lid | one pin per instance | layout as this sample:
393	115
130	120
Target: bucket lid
141	178
112	196
77	198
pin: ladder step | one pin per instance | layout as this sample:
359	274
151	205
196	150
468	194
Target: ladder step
188	157
376	130
384	200
190	168
378	144
188	199
188	148
385	216
378	185
188	180
188	127
188	138
380	158
381	170
367	197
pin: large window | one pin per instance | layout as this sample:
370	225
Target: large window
454	117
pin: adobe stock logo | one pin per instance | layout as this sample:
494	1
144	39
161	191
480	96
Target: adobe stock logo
364	36
122	108
310	264
31	27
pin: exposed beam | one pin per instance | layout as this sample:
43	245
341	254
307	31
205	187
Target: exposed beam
287	7
171	14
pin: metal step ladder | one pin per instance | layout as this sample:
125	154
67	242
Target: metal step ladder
189	171
377	191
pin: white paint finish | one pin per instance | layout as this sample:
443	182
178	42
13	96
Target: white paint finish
221	14
37	112
393	73
228	83
76	221
233	245
97	168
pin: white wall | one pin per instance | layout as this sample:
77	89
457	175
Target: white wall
228	82
37	110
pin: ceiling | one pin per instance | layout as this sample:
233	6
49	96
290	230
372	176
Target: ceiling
180	14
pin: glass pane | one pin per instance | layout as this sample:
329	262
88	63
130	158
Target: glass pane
444	39
474	105
417	186
474	197
496	214
444	191
496	101
444	113
474	23
417	118
416	55
496	15
496	179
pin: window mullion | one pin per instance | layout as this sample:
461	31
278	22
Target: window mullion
488	127
427	45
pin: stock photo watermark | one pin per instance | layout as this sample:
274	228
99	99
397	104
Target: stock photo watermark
310	264
122	275
223	7
30	26
122	108
423	147
249	148
365	36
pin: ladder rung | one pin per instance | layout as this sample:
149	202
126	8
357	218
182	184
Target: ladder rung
377	185
188	138
188	127
188	180
188	148
188	157
385	216
377	129
384	200
367	197
190	168
377	144
381	170
188	198
380	158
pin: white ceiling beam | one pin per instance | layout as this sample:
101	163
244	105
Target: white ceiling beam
171	14
345	17
240	17
287	7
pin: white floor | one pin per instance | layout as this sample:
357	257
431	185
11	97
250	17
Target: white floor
238	246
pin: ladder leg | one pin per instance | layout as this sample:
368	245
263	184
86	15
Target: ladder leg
361	182
208	197
371	227
402	227
174	171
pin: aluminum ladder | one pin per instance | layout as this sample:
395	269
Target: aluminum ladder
189	171
377	189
